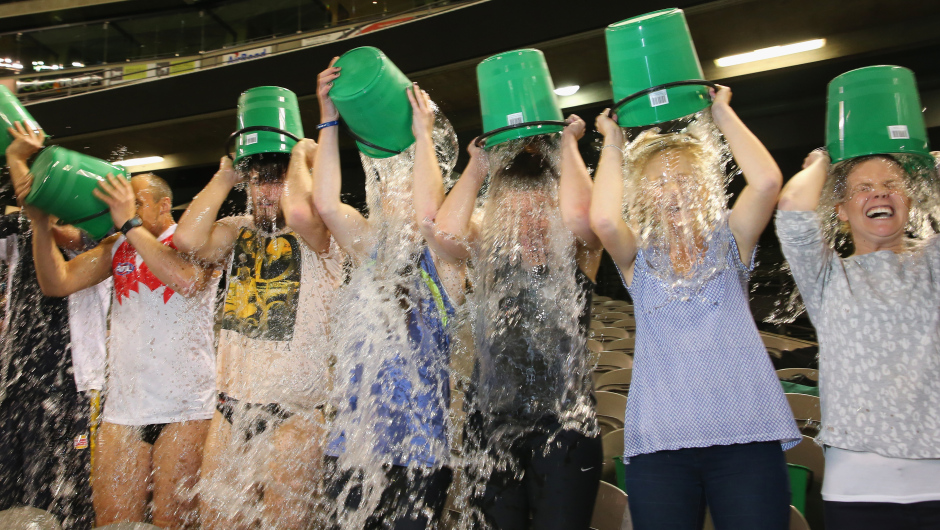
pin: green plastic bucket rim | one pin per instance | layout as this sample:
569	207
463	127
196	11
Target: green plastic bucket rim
481	140
264	128
657	88
645	16
375	79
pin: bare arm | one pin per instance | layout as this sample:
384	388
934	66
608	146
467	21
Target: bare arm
198	233
575	187
351	230
607	199
58	277
167	264
456	231
297	202
803	190
755	205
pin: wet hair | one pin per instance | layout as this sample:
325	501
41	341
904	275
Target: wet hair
269	167
651	143
532	160
158	187
838	177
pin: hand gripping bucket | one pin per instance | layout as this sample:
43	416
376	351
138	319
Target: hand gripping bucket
268	122
517	97
370	96
875	110
654	70
62	184
12	111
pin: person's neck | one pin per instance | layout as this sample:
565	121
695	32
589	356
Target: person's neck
162	226
864	246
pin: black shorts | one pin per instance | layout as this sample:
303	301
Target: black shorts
553	491
45	461
251	419
406	501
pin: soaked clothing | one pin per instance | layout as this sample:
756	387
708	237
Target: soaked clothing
413	498
413	413
149	434
45	462
557	488
522	376
161	362
88	330
701	374
273	341
253	418
877	316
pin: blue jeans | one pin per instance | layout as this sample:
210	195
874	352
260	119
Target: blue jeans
746	486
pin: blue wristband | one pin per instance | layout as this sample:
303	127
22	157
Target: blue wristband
327	124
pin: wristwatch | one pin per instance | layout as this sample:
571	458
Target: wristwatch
131	224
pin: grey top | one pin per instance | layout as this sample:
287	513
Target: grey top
877	316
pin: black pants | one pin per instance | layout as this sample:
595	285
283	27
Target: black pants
45	455
882	515
556	491
406	500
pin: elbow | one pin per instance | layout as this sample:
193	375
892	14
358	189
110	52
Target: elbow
787	202
604	227
184	242
770	183
298	215
52	291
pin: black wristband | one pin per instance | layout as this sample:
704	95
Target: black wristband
134	222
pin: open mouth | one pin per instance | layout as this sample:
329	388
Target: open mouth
880	212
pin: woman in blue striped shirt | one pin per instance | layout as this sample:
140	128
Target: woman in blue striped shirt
706	415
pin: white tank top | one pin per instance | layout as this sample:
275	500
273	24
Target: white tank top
160	354
273	346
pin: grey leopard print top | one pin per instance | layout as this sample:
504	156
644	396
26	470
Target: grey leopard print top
877	316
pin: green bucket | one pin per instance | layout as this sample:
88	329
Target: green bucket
62	184
800	478
654	70
875	110
12	111
517	97
268	122
370	96
621	470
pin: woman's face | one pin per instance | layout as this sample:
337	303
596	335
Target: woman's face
670	185
876	205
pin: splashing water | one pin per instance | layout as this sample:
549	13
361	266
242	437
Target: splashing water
392	352
527	313
675	198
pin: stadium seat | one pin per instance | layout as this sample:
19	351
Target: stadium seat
617	381
787	373
610	509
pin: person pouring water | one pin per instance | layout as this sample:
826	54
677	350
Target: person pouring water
857	228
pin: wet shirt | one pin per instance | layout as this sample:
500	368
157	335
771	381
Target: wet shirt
161	359
35	354
877	317
522	375
273	345
410	427
701	374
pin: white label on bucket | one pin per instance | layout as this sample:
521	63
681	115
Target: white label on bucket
515	118
898	132
658	98
251	138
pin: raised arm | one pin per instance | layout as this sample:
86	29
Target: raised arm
607	199
803	190
351	230
170	266
297	201
198	233
575	187
428	185
455	230
755	205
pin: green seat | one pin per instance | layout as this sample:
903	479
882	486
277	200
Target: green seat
795	388
800	479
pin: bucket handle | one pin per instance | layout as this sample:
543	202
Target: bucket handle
365	142
631	97
480	139
266	128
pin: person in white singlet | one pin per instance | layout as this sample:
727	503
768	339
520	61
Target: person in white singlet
265	444
160	388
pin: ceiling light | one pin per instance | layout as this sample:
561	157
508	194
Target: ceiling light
567	90
770	53
139	161
78	64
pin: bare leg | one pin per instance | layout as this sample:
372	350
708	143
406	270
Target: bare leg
294	469
121	475
177	456
215	473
